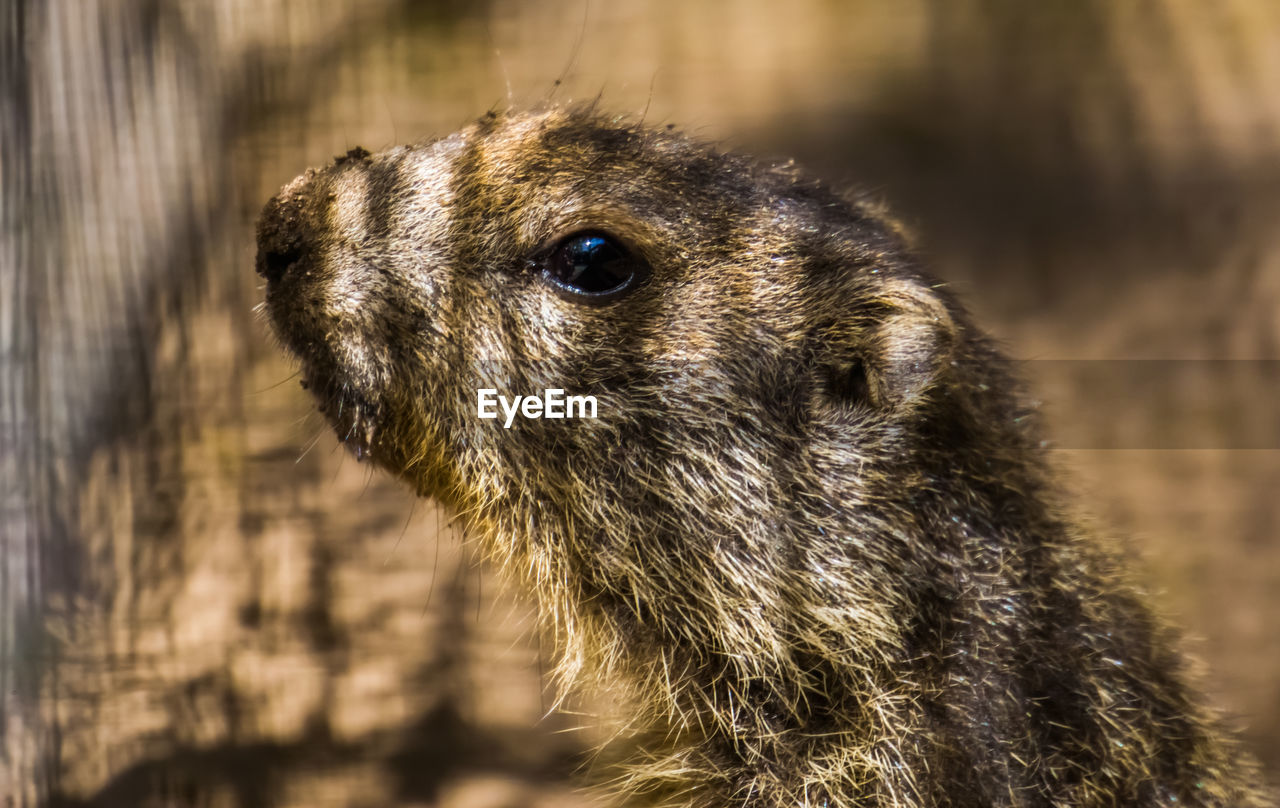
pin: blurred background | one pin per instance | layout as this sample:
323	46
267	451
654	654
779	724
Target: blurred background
205	601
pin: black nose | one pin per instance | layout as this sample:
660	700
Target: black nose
282	239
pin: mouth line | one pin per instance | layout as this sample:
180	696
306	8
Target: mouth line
351	409
352	415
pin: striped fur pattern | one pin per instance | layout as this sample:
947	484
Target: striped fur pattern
811	539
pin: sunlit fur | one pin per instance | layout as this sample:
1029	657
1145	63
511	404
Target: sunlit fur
811	539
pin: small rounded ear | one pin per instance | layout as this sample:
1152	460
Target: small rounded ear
898	345
912	345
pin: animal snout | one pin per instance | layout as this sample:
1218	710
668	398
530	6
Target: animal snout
283	235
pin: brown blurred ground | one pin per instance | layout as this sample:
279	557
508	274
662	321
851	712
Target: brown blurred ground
230	611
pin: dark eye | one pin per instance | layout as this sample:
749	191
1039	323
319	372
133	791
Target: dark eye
592	268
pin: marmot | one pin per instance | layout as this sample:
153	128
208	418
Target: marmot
811	534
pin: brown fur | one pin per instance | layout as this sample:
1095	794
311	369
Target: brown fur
811	537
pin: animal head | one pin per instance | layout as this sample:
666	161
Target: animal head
685	289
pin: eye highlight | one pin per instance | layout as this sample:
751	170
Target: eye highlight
592	267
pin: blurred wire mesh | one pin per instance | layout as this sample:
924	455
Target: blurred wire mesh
203	603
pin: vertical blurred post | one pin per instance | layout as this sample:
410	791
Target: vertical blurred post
117	200
24	741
